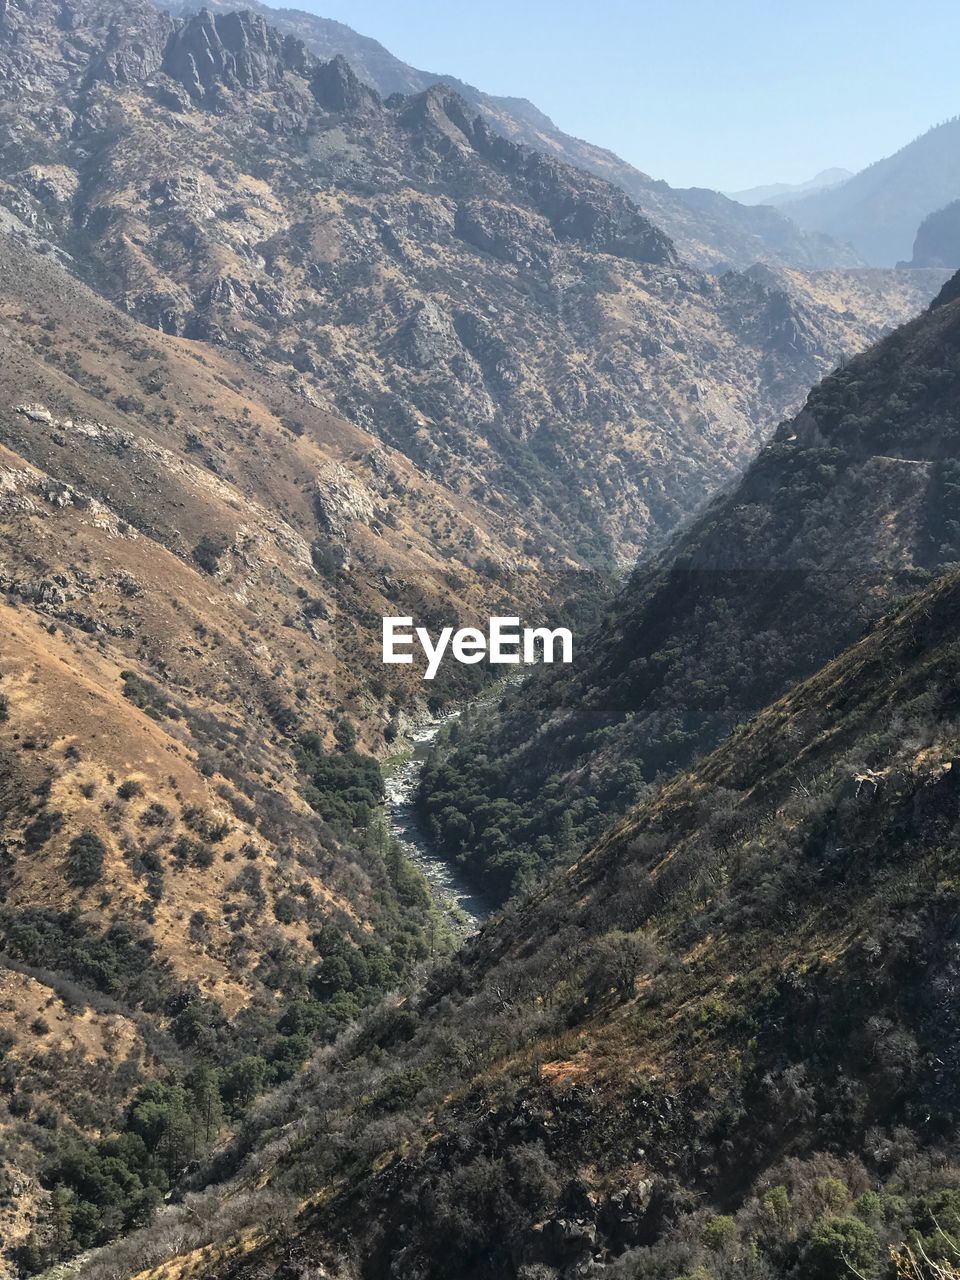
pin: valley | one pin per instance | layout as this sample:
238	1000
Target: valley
316	966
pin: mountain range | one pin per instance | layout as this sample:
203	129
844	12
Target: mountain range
475	303
721	1042
709	229
835	219
778	193
295	338
879	209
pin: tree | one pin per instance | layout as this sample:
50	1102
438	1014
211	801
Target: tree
619	958
206	1105
244	1080
840	1246
85	858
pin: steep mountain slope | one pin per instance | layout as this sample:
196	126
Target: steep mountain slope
879	209
278	359
193	566
722	1044
849	506
710	230
938	239
516	327
779	193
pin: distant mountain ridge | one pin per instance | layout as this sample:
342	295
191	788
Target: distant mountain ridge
879	209
783	192
406	265
709	229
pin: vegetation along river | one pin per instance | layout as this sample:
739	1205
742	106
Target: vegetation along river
452	892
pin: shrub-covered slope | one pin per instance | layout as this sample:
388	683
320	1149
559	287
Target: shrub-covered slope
723	1043
851	505
187	554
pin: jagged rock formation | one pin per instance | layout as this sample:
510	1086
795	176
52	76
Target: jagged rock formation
232	51
708	228
518	328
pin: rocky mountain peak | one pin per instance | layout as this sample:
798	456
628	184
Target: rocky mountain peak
337	87
236	50
441	110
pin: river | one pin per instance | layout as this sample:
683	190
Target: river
464	908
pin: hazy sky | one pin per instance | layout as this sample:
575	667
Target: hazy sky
720	93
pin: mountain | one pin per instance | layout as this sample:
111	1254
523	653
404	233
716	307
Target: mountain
938	239
190	578
777	193
850	506
281	358
879	209
723	1043
714	233
517	328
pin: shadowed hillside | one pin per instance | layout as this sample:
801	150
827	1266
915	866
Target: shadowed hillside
879	209
853	504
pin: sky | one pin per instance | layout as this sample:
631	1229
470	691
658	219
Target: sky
718	93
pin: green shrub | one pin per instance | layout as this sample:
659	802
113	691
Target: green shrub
147	696
208	551
838	1246
85	858
719	1232
344	786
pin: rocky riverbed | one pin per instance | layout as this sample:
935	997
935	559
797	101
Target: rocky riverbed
455	896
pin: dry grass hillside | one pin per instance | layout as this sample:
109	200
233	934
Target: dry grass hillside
193	564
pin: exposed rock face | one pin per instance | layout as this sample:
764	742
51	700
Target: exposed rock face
708	228
519	328
132	50
336	88
506	232
578	208
233	51
340	499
